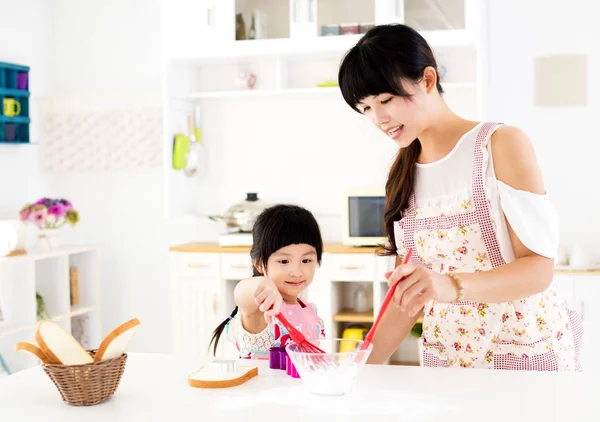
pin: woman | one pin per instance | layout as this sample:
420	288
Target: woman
469	198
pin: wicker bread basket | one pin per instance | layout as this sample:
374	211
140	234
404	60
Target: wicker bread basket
88	384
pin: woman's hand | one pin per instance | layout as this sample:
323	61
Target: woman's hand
268	298
418	285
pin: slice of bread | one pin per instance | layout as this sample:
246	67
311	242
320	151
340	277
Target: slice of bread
31	346
209	377
117	341
59	345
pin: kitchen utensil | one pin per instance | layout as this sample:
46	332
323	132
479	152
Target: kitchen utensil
241	216
181	147
297	337
361	300
384	306
11	107
317	355
335	379
191	166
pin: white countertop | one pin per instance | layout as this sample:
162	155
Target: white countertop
154	388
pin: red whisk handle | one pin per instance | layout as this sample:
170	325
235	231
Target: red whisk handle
385	304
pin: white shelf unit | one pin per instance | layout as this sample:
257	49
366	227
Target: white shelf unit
47	273
202	59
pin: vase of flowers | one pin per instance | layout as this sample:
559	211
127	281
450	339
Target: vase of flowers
49	215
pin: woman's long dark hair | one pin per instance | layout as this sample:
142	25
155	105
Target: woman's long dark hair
382	59
275	228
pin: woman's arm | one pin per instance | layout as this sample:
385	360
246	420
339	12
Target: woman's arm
254	297
515	164
391	331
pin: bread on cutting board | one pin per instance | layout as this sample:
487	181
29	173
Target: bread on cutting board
210	377
31	346
59	345
117	341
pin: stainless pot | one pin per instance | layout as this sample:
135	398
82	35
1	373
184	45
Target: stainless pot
241	216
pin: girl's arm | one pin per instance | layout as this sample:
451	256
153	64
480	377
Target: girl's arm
515	164
391	331
254	297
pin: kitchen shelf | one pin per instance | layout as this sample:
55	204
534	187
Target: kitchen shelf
6	332
81	310
404	363
312	48
14	92
16	119
348	315
14	84
260	92
335	90
47	273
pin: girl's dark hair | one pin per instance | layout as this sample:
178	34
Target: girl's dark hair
275	228
382	59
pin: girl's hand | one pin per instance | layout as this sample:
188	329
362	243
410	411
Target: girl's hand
268	298
418	285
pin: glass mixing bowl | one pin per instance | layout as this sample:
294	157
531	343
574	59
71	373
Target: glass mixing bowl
333	372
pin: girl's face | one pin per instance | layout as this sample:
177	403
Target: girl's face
400	118
292	269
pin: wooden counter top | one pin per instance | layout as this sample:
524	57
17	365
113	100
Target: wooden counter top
215	247
200	247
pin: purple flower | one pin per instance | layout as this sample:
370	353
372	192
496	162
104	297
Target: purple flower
66	204
58	210
42	201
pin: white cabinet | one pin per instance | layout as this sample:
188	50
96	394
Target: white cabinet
196	300
580	291
187	24
48	273
203	284
203	61
587	292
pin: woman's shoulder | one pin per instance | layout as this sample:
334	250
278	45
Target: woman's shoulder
515	160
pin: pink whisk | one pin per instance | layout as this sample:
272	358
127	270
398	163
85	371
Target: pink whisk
297	337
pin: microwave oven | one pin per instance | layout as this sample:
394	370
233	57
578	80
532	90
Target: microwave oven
362	214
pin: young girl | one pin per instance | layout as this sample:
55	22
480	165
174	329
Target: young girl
469	198
286	249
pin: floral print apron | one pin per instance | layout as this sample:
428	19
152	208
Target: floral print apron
533	333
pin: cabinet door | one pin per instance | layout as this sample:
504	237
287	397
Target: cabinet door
564	283
303	19
198	306
426	15
587	292
188	25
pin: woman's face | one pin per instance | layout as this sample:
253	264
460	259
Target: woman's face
400	118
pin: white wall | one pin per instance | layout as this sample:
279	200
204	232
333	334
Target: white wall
113	46
20	178
299	149
566	139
